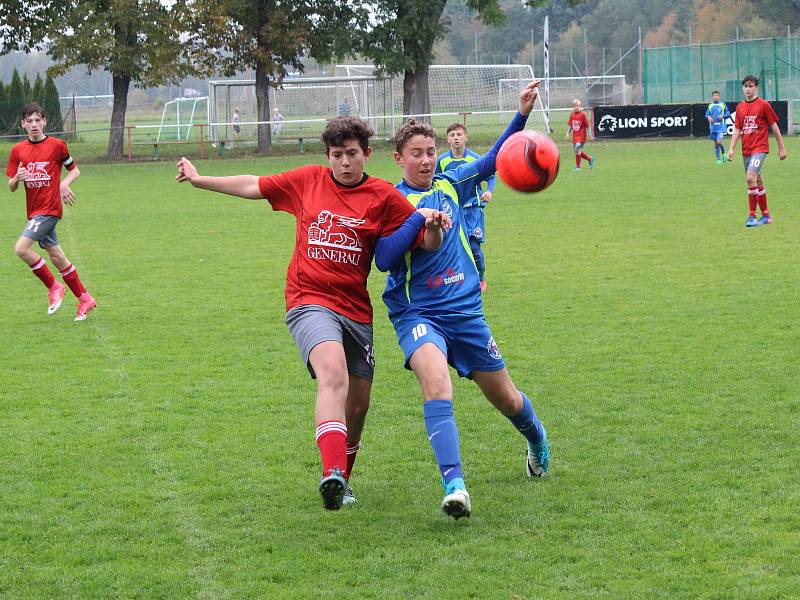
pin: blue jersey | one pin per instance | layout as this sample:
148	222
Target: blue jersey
444	282
719	113
447	161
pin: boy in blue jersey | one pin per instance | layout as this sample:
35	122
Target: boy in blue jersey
474	223
434	303
716	114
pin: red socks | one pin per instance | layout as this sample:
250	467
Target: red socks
578	160
352	450
752	199
70	277
585	156
41	270
762	200
332	442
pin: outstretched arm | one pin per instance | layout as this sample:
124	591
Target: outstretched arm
391	248
244	186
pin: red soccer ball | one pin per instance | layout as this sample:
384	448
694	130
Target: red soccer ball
528	161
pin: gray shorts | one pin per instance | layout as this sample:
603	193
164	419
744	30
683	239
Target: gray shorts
42	228
754	162
311	324
578	148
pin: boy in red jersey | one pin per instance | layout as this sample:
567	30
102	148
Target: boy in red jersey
37	162
753	117
578	124
343	218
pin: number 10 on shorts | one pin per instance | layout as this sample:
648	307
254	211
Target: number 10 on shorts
419	331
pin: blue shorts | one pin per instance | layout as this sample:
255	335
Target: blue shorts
465	340
716	137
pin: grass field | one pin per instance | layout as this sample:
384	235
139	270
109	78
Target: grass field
165	448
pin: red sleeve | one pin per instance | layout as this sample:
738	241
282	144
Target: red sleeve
13	163
397	210
739	121
769	114
284	191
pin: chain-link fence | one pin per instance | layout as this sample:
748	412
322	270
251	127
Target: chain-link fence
691	73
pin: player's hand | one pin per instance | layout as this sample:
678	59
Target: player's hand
67	194
486	196
435	219
782	153
730	155
186	171
528	97
22	173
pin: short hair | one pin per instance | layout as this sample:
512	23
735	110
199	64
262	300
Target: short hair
455	126
750	78
33	108
715	92
339	130
409	129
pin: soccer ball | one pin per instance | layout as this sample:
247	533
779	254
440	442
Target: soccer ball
528	161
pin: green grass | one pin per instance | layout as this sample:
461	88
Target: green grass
164	448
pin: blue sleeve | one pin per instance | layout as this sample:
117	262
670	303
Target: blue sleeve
391	248
727	112
708	111
490	183
464	176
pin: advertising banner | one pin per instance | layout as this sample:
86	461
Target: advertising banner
654	120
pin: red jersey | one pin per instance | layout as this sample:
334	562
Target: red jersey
337	228
579	125
753	120
44	160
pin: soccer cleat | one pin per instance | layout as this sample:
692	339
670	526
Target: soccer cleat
56	296
85	304
591	163
576	169
349	497
538	457
332	489
719	161
751	221
765	220
457	504
483	285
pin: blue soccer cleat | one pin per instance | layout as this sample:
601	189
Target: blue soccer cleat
538	457
591	163
751	222
349	498
765	220
332	488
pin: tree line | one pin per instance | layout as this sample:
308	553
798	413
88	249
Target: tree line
18	92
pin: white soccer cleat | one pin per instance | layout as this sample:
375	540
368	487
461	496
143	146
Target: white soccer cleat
457	504
349	498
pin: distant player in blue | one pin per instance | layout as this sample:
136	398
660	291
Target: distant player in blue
717	114
434	302
474	222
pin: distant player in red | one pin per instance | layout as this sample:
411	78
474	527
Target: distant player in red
343	218
578	125
37	162
753	117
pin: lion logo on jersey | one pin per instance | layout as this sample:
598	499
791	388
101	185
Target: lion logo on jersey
37	171
335	231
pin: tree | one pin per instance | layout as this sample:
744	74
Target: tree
52	105
27	89
4	125
136	41
16	102
38	89
271	36
402	41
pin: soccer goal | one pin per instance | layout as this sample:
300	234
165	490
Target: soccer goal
606	90
178	117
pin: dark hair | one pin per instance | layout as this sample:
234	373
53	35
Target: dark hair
340	130
409	129
715	92
455	126
31	109
750	78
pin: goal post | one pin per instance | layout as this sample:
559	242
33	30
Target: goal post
178	116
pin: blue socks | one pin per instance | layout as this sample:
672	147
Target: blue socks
440	423
527	422
716	151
